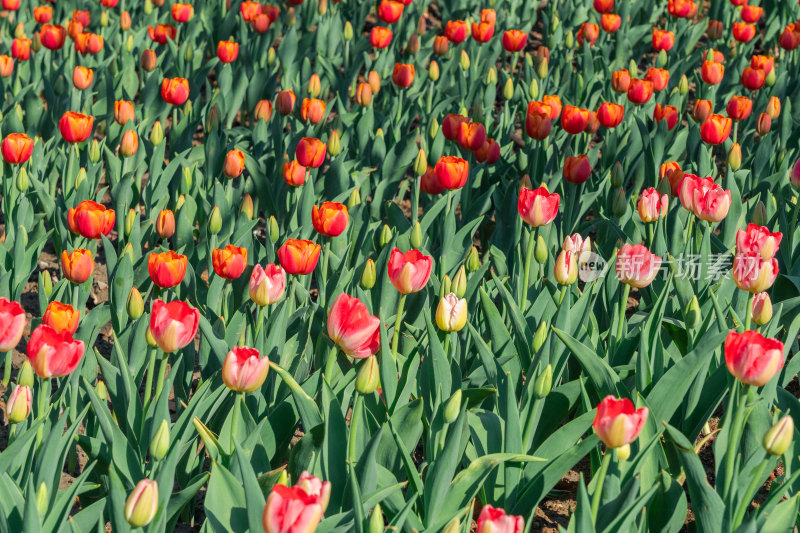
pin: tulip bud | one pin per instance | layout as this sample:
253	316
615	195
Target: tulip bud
661	59
508	89
354	200
291	18
623	452
420	163
565	271
129	144
271	56
334	143
376	519
459	285
25	375
683	84
543	383
368	276
130	219
142	504
348	31
454	526
770	79
416	236
368	376
473	261
129	44
47	283
128	250
433	129
620	204
180	202
779	437
533	89
274	232
159	446
80	178
151	341
149	60
41	499
617	175
540	250
464	61
94	152
693	312
215	221
18	407
19	31
542	68
762	308
760	214
555	22
433	71
135	305
444	288
22	180
491	76
453	407
569	40
148	7
412	47
247	206
633	68
104	19
774	107
125	21
322	7
764	124
386	236
735	156
540	336
156	133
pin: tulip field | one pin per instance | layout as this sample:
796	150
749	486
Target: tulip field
401	265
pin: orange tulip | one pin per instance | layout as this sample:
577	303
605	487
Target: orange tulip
90	219
554	103
659	77
88	43
716	129
537	121
668	113
712	72
456	31
123	111
610	22
364	94
175	91
620	80
440	45
761	62
294	174
6	66
75	127
662	40
16	148
82	77
52	36
774	107
701	110
263	110
588	31
739	107
43	14
165	224
764	124
380	37
390	11
714	30
129	144
149	60
574	119
743	32
166	269
451	172
610	114
21	49
310	152
78	265
227	51
514	40
330	218
299	257
751	14
312	110
61	317
230	262
162	33
483	31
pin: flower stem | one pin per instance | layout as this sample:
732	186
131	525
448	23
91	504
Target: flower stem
751	489
623	304
354	423
601	477
259	321
397	323
739	397
162	371
7	370
749	313
148	384
526	272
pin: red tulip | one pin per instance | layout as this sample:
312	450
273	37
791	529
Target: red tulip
90	219
182	12
380	37
75	127
761	62
310	152
390	11
763	124
291	510
739	107
21	49
652	205
440	45
488	153
227	51
451	172
758	241
78	265
16	148
451	125
294	174
574	119
53	354
610	114
537	121
409	272
668	113
588	31
712	72
352	328
636	266
659	78
471	135
492	520
662	40
680	8
538	207
753	79
429	183
52	36
743	32
285	102
640	91
330	218
249	10
716	129
617	422
167	269
610	22
12	324
298	256
456	31
714	30
706	199
175	91
312	110
244	369
403	75
752	358
88	43
514	40
603	6
229	262
483	31
751	13
61	317
267	284
577	169
162	33
790	37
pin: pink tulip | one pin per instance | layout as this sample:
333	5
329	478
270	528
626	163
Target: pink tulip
352	327
409	272
706	199
493	520
576	244
53	354
617	423
314	486
12	323
18	406
267	284
652	205
752	358
757	241
173	325
754	273
244	370
291	510
538	207
636	266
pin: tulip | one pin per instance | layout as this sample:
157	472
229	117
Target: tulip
6	66
488	153
761	308
43	14
52	36
538	123
589	32
162	33
165	224
142	503
712	72
149	60
182	12
290	510
21	49
18	406
640	91
451	172
123	112
16	148
652	205
299	256
617	422
538	207
773	107
743	32
389	11
471	135
764	124
603	6
90	219
701	110
451	126
680	8
565	270
752	358
662	40
763	63
227	51
12	324
739	107
249	10
167	269
267	284
706	199
409	272
61	317
659	78
754	273
364	94
753	79
456	31
794	174
494	520
330	218
173	325
716	129
53	354
758	241
380	37
352	328
233	165
777	440
483	31
244	369
310	152
574	119
514	40
403	75
77	266
610	22
263	110
285	102
790	37
440	45
229	262
294	174
374	82
610	114
577	169
451	313
429	183
175	91
714	30
129	144
620	80
312	110
75	127
636	266
668	113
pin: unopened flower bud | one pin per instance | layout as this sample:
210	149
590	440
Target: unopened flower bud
22	182
420	163
376	520
459	285
334	143
760	214
620	204
368	275
271	56
544	382
540	336
451	313
151	341
354	200
25	375
348	31
130	219
693	312
770	79
533	89
453	407
416	236
624	451
94	152
80	178
735	156
569	40
142	504
433	71
508	89
762	308
156	133
565	270
247	206
454	526
779	437
464	61
135	304
542	68
368	375
433	129
159	446
633	68
18	406
683	85
42	502
661	59
215	221
274	231
540	250
386	236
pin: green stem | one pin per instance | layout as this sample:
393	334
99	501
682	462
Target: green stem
7	371
650	235
598	489
527	269
162	371
44	392
148	384
755	482
259	321
563	294
527	433
354	423
238	399
623	304
76	294
749	312
397	323
734	435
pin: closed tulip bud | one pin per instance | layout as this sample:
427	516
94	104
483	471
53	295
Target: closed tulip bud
148	7
464	61
291	18
274	232
416	236
633	68
322	7
386	236
762	308
271	56
453	407
433	129
149	60
459	285
368	375
533	89
569	40
491	76
180	202
104	19
42	502
47	283
473	261
94	152
770	78
444	288
454	526
135	305
247	206
779	437
540	250
215	221
129	144
165	224
735	156
151	341
774	107
354	200
348	31
693	312
80	178
376	520
451	313
19	31
760	214
543	383
142	504
412	47
764	124
433	71
22	180
25	375
18	406
130	218
368	275
620	203
420	163
508	89
623	452
334	143
565	270
128	250
129	44
156	133
540	336
314	86
159	446
683	84
661	59
542	68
